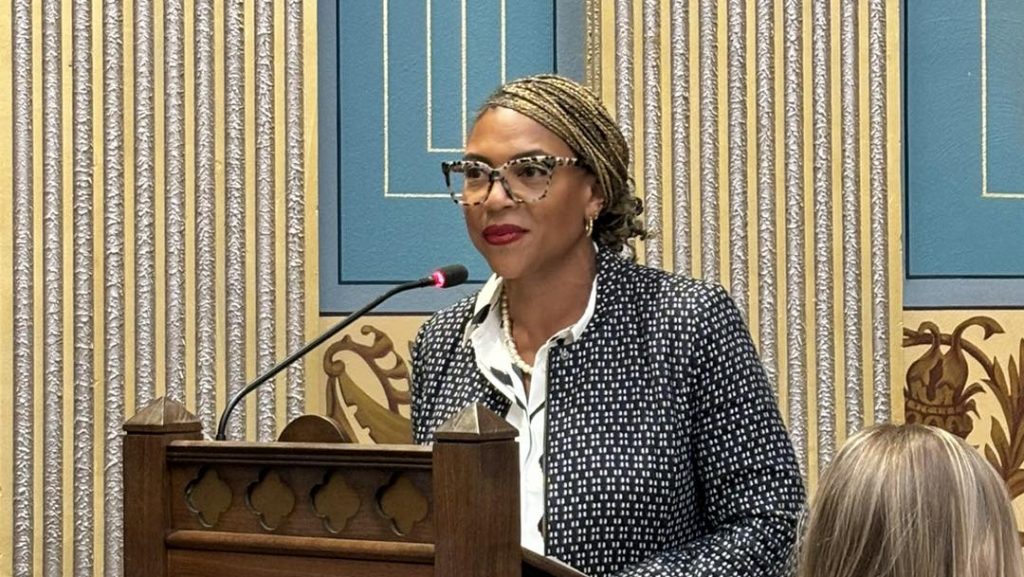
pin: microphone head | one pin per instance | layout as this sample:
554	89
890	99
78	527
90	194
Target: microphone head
449	276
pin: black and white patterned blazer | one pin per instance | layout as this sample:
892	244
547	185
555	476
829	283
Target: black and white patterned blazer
666	454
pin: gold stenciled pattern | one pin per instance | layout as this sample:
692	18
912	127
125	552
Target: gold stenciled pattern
386	424
937	393
969	382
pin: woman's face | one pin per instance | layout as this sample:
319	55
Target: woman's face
522	239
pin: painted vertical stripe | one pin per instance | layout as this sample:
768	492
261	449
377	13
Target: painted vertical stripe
652	131
823	243
84	267
53	293
680	82
738	218
593	45
219	331
235	206
295	201
248	33
113	276
796	334
24	291
205	219
265	215
145	210
311	64
174	193
624	67
280	279
189	127
709	218
853	357
767	256
880	322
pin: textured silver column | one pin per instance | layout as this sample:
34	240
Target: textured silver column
680	80
113	283
853	357
206	218
624	68
796	334
879	211
53	293
84	267
823	272
235	204
23	429
710	269
145	209
738	267
593	45
296	204
652	131
174	196
265	225
767	255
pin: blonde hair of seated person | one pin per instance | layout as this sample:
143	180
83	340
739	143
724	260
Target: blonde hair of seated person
910	501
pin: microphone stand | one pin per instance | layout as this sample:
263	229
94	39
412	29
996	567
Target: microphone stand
237	398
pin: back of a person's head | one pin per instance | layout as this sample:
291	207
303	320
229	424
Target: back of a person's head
910	501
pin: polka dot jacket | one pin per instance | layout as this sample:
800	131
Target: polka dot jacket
666	454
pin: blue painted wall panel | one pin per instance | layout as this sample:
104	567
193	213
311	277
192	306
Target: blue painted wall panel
393	202
388	120
965	217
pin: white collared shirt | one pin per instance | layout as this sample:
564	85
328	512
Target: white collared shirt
528	412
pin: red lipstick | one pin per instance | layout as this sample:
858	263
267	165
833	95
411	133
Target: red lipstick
499	234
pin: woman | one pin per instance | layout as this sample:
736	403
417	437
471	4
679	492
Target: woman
910	501
650	442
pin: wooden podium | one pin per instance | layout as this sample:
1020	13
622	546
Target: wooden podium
234	509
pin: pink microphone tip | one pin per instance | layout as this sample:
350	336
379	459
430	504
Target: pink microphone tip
439	279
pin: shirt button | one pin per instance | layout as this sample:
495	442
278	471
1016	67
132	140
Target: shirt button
563	353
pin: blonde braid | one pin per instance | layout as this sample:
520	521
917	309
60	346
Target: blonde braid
576	115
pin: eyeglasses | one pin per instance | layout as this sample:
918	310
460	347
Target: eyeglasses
524	179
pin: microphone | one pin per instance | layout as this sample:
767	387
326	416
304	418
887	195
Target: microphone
444	277
448	276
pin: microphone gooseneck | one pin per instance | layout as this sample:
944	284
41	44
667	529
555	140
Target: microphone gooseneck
444	277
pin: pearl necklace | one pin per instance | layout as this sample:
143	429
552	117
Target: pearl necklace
510	344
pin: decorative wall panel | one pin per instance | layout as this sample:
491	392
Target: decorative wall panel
129	153
776	173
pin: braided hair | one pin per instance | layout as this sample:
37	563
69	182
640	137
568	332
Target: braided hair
576	115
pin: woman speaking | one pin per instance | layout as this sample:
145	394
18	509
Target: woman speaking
650	441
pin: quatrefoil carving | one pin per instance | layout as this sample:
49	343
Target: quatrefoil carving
335	502
207	497
402	503
271	499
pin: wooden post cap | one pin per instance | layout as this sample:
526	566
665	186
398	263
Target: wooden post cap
163	416
314	429
475	423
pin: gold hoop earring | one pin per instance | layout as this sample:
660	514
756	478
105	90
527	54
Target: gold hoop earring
589	226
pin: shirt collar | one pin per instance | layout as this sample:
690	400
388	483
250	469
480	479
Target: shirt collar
488	302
